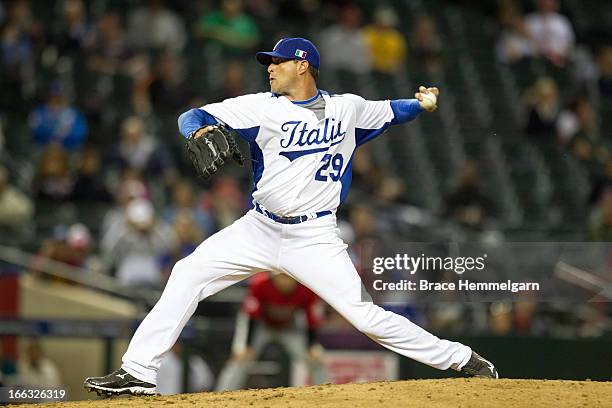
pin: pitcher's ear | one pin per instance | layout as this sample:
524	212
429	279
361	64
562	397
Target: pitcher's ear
303	66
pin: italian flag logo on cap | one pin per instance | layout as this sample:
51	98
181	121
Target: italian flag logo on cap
300	54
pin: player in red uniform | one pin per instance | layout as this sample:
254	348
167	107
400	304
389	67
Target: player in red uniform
277	309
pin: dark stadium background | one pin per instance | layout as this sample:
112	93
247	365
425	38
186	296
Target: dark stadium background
518	151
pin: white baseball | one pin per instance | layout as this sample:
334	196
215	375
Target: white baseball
429	101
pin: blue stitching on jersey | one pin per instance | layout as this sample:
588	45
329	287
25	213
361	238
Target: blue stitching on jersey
257	158
346	179
308	100
292	155
365	135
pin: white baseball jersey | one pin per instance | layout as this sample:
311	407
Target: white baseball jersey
302	165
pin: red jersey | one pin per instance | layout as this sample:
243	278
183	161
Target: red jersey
265	302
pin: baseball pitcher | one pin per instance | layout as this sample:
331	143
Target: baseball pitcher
302	141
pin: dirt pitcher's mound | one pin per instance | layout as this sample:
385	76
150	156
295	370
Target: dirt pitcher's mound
415	393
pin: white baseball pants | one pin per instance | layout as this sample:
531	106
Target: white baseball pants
314	255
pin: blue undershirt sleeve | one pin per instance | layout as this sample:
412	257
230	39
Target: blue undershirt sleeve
194	119
405	110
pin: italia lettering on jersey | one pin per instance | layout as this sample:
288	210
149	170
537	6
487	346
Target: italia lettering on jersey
302	165
330	134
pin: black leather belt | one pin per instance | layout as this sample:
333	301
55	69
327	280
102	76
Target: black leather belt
289	220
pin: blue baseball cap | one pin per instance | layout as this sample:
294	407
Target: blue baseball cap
291	48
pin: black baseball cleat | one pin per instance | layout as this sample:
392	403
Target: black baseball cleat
118	383
479	367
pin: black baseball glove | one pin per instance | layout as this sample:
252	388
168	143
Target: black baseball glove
210	151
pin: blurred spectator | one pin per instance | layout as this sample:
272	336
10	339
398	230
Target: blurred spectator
20	15
228	201
133	248
139	150
233	82
53	248
70	245
37	370
389	190
577	121
15	207
426	44
185	200
72	30
466	204
109	48
600	228
229	28
366	174
277	309
155	27
552	32
101	76
447	317
363	222
53	180
524	316
584	150
500	318
171	371
138	69
343	46
130	187
89	181
517	318
514	43
543	103
601	183
169	91
577	130
16	49
17	53
604	66
370	179
387	45
58	122
79	244
188	236
366	240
